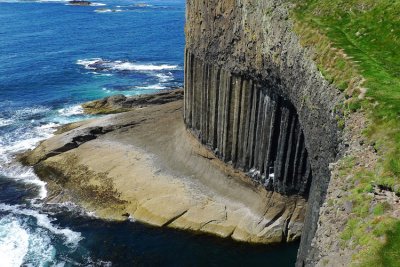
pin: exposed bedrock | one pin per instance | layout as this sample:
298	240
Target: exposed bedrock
254	95
144	163
249	125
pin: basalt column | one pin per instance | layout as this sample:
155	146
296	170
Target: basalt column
256	97
248	125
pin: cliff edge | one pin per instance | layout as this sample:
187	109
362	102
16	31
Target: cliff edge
304	97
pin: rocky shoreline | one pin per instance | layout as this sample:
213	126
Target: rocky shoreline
144	164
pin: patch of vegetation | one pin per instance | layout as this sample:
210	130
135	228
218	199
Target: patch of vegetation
390	252
356	47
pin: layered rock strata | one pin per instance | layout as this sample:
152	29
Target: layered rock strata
145	165
240	42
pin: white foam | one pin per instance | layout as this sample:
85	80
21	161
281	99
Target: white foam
14	242
27	175
22	145
142	5
118	65
141	67
71	111
5	122
103	10
16	142
87	62
42	220
49	127
164	77
31	111
40	252
21	245
27	140
97	4
103	74
131	218
152	87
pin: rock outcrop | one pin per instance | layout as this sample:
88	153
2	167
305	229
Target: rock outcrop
244	65
146	164
121	103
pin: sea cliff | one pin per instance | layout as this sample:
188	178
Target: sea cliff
244	56
268	144
293	94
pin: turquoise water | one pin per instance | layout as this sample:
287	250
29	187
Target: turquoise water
53	57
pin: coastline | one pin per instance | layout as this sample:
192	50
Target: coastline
144	165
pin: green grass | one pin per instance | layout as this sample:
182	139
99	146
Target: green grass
390	252
357	47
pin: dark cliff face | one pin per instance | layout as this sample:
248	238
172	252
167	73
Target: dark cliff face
254	95
249	125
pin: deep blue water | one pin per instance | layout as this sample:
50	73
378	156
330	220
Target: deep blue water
52	58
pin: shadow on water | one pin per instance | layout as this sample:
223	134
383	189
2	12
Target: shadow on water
135	244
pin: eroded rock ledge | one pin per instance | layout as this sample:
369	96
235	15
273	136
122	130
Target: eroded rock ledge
121	103
145	164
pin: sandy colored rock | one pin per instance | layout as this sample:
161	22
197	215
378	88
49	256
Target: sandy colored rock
121	103
145	163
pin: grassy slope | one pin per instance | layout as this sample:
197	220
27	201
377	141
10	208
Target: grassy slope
357	47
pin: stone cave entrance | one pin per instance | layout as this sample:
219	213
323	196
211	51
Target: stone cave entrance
249	125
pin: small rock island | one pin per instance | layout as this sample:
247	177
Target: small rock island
80	3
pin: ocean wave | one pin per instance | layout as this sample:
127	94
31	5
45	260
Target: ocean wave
157	86
14	242
142	5
30	113
99	64
20	140
165	77
27	175
108	91
101	74
108	10
70	237
32	110
88	62
5	122
71	111
98	4
20	245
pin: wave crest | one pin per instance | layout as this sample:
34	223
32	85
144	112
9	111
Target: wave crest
100	64
42	220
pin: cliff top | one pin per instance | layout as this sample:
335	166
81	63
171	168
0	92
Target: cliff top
356	48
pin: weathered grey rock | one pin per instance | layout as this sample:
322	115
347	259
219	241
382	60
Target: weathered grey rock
251	43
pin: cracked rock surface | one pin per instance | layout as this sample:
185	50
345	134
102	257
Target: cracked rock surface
145	164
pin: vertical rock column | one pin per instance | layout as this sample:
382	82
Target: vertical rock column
248	125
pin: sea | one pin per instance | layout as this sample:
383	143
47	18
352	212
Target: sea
53	57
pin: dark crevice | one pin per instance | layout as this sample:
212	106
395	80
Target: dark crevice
92	134
175	218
